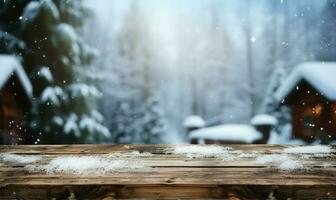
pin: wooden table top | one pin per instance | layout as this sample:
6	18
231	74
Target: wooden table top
169	175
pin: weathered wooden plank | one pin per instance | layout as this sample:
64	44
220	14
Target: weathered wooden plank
168	161
168	192
169	176
211	176
101	149
204	164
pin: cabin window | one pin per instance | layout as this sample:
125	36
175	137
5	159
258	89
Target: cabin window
316	110
311	120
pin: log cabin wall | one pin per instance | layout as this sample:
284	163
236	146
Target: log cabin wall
313	116
13	107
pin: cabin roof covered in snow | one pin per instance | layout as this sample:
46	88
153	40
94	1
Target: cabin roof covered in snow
228	132
194	121
10	65
320	75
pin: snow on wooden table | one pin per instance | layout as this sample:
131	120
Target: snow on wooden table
167	171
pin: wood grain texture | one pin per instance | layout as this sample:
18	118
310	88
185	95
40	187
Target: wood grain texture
169	176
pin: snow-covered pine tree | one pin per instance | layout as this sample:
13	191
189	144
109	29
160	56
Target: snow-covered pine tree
134	78
327	48
10	21
57	60
152	125
122	126
134	47
270	105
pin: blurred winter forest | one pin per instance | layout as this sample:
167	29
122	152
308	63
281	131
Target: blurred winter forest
221	60
133	70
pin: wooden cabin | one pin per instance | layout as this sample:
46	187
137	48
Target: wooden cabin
15	100
310	92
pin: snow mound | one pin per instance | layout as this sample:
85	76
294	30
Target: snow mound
86	165
319	74
291	165
21	159
283	162
201	151
275	158
212	151
291	158
194	121
264	120
228	132
314	149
